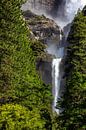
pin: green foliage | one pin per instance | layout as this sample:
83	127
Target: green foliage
73	116
17	117
19	81
38	49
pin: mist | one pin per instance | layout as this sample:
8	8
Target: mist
63	14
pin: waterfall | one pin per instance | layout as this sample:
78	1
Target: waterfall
56	77
55	81
65	13
63	18
67	10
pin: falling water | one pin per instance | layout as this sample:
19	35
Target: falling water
56	81
65	14
70	9
56	77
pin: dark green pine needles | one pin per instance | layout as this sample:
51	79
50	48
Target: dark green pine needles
74	100
25	101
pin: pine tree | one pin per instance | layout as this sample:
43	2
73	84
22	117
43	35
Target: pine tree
19	82
73	116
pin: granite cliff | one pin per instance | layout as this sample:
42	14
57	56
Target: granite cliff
50	7
47	32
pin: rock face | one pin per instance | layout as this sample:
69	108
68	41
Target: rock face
45	69
46	31
49	6
43	28
84	10
44	4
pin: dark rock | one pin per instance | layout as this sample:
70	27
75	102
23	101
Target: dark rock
45	70
84	11
49	6
66	29
48	32
43	28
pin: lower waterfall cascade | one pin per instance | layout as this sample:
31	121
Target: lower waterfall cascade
56	76
65	15
56	81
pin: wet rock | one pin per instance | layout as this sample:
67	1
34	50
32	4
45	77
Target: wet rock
43	28
48	6
84	10
47	32
45	70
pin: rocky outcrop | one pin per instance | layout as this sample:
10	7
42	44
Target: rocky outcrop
44	29
47	32
49	6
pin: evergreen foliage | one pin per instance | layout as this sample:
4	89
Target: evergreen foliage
19	81
17	117
74	115
25	101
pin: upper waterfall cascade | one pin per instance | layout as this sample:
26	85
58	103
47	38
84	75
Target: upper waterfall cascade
65	14
67	11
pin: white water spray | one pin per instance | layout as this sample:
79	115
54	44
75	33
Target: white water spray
56	77
67	11
65	15
71	8
56	81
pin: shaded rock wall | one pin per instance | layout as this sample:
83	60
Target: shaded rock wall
43	28
49	6
45	70
48	32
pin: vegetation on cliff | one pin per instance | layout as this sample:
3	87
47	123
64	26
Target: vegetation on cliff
74	105
25	101
43	28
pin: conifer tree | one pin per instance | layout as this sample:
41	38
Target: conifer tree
73	116
20	84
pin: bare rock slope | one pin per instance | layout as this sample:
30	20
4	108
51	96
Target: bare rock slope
47	32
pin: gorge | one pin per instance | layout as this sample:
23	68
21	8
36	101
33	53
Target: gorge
62	12
43	65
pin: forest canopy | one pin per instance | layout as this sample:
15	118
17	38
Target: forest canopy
74	100
24	98
25	101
